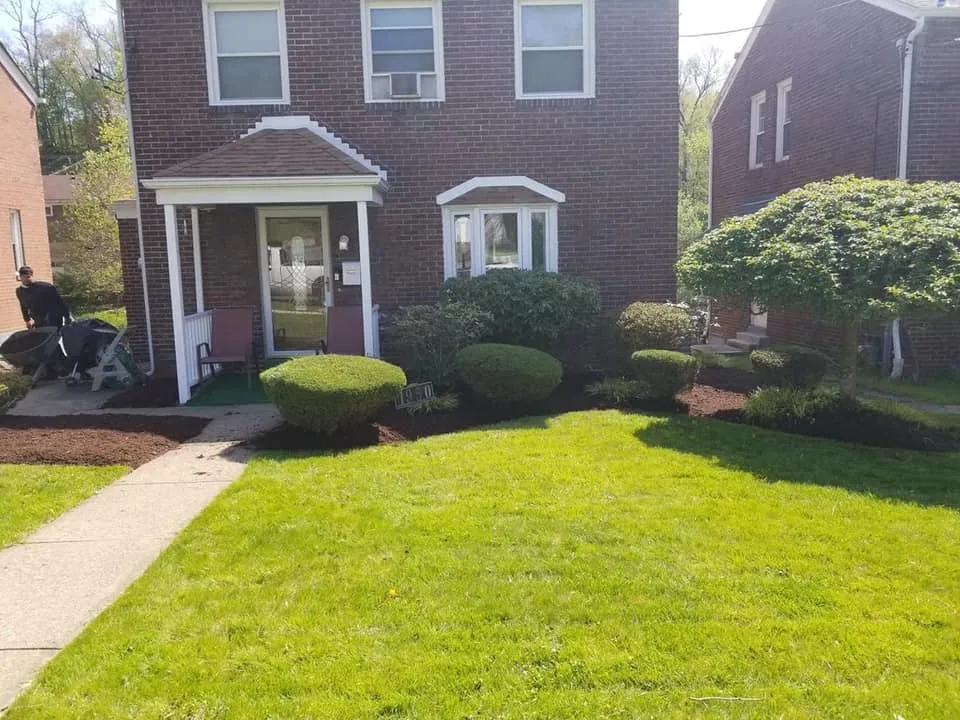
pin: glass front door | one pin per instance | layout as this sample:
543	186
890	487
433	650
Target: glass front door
300	279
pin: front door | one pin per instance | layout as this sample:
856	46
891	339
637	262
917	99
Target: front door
297	277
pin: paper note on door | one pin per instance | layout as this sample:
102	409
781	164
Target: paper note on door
351	273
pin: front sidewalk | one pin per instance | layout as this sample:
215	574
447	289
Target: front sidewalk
62	576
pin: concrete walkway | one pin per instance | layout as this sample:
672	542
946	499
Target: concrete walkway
62	576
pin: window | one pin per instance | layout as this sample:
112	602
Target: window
493	238
758	124
402	50
784	121
246	52
554	48
16	240
49	211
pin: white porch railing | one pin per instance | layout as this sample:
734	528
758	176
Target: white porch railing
376	331
197	329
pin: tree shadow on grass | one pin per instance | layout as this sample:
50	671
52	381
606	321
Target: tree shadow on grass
915	477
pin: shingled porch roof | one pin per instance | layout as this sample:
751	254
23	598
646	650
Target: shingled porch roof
271	153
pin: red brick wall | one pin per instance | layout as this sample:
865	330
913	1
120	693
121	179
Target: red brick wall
845	101
845	107
935	105
133	288
21	188
615	156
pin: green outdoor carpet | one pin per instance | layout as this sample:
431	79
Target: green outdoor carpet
230	389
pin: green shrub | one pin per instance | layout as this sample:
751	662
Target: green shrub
789	407
437	404
664	372
13	386
427	338
506	375
789	366
533	309
619	392
654	326
325	393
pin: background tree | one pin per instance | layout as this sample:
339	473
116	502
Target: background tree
92	277
850	249
701	77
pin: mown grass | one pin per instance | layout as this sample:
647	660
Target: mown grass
31	495
938	390
595	565
115	316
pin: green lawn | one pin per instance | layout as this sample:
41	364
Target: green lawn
595	565
940	391
31	495
115	316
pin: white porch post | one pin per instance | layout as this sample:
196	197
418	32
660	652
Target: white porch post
197	264
176	301
366	286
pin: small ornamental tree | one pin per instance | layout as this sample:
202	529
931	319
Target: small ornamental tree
851	249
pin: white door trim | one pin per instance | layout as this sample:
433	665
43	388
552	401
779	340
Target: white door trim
263	213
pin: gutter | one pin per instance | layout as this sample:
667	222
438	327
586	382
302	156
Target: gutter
141	260
908	46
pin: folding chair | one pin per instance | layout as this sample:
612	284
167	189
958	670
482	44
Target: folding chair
231	341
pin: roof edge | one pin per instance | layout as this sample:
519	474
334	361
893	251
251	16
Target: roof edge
19	79
298	122
158	183
898	7
445	198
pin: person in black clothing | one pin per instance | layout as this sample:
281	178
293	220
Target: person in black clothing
40	302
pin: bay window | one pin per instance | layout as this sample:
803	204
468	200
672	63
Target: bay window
479	239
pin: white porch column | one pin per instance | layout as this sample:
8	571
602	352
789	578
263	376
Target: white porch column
197	264
366	285
176	301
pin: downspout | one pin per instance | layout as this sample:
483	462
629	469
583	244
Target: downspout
903	157
142	259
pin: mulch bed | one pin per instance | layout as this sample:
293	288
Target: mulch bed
129	440
708	401
729	379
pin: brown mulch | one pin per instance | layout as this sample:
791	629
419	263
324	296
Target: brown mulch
129	440
729	379
707	401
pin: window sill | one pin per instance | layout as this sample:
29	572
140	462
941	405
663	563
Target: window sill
249	103
388	105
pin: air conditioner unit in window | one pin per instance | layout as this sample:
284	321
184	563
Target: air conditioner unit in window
404	85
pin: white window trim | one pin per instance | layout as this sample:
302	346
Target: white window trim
436	5
16	240
755	130
589	50
478	242
783	88
210	43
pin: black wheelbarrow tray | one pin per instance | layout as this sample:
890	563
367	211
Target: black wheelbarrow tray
31	350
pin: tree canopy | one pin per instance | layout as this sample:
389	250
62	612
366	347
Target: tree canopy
852	249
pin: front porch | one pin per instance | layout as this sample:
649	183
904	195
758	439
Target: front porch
278	221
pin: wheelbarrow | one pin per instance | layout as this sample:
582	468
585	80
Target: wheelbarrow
32	351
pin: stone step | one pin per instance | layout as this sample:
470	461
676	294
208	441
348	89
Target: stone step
742	345
753	339
718	348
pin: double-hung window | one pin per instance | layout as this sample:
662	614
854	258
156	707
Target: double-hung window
555	48
402	50
16	240
758	125
784	121
246	52
508	237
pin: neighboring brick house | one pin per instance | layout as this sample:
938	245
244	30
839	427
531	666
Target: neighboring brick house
821	89
22	220
294	156
57	194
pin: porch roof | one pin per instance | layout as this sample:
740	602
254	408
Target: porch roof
272	153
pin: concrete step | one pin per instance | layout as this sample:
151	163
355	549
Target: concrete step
718	348
753	339
742	345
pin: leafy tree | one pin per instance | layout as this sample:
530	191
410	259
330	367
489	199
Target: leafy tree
92	277
851	249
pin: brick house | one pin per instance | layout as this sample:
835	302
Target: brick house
57	194
298	156
21	190
821	89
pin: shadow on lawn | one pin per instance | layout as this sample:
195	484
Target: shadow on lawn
920	478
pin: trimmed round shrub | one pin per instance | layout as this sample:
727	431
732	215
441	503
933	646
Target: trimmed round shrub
789	366
531	308
506	375
326	393
664	372
655	326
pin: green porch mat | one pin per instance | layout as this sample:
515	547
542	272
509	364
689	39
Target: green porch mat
230	389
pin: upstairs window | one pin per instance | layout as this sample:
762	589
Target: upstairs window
402	50
246	52
758	124
554	48
784	121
